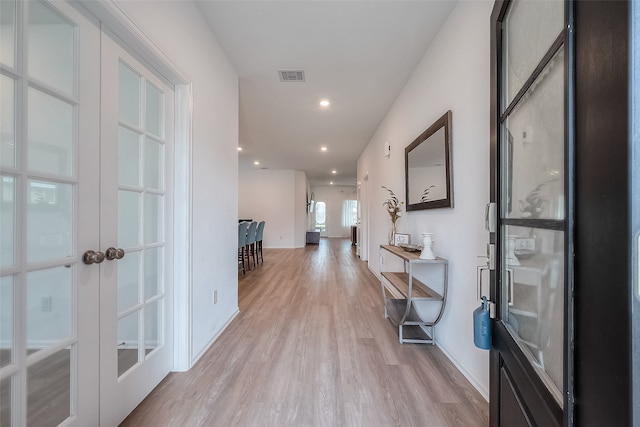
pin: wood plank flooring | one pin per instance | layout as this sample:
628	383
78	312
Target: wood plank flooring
310	347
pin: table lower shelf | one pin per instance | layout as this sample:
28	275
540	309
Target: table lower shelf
412	329
414	334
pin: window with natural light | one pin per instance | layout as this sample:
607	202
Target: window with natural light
321	216
349	213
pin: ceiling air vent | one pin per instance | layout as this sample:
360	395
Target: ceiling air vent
291	75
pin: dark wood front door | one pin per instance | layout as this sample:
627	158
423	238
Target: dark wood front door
562	183
532	56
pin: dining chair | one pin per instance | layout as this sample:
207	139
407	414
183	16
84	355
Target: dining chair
259	234
251	242
242	244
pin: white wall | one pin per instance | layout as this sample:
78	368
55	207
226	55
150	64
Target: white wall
277	197
300	209
334	195
177	29
453	75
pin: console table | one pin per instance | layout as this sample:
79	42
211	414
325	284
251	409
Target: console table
401	290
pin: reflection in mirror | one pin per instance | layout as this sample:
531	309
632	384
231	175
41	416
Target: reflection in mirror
428	167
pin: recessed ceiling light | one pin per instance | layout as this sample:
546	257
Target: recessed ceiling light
334	171
324	103
323	148
256	163
239	148
331	183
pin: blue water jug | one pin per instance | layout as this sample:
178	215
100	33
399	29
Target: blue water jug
482	326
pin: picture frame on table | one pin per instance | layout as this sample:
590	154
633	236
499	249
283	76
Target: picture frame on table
401	239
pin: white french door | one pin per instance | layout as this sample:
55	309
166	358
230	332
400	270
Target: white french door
49	211
86	156
136	217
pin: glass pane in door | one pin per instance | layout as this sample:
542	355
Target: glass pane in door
128	157
7	120
7	220
154	164
6	322
533	274
51	126
129	96
49	390
153	208
128	281
6	401
128	342
152	326
530	29
154	113
51	55
533	149
7	33
128	218
152	272
49	307
50	215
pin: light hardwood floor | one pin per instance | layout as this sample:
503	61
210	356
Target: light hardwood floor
310	347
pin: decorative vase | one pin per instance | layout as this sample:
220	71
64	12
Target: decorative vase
511	252
427	249
392	234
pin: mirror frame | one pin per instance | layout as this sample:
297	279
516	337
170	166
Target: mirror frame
447	202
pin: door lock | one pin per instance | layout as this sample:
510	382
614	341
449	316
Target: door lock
489	266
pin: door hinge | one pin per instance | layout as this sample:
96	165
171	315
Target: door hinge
492	309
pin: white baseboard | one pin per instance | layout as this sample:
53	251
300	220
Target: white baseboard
215	337
374	272
472	379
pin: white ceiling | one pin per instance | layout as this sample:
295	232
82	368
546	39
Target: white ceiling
357	54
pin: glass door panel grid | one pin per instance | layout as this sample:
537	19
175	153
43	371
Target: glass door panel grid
533	222
38	271
141	219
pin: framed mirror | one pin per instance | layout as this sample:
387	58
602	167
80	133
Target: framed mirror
428	173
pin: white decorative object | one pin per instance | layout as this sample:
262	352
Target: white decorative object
427	249
511	252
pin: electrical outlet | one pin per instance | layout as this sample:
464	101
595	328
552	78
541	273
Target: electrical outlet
46	303
214	298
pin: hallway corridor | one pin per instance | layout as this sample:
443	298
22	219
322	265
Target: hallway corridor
310	347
